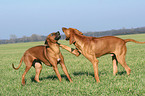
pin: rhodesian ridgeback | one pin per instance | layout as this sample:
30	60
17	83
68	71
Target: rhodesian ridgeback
93	47
49	54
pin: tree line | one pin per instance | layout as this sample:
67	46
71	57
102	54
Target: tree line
122	31
35	37
32	38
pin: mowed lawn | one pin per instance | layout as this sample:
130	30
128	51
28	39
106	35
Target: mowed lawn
80	70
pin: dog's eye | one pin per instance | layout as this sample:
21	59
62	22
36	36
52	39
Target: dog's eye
51	34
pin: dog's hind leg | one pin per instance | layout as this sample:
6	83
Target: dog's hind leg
115	64
121	59
23	76
28	59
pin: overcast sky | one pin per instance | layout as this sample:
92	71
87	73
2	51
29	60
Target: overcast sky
27	17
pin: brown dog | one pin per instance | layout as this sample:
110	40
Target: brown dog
92	48
49	54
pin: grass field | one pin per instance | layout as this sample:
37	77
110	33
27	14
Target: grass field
80	70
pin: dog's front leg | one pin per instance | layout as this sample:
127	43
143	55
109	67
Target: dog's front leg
95	66
95	62
71	50
57	72
38	68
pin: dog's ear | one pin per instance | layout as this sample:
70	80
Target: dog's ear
77	31
47	39
63	29
71	40
46	42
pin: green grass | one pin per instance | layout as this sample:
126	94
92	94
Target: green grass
80	70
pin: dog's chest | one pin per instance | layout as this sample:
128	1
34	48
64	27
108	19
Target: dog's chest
57	56
58	60
54	54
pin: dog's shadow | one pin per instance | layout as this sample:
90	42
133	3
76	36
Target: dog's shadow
121	73
54	77
83	73
92	73
88	73
51	77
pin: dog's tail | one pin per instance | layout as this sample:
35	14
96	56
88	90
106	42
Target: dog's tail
132	40
19	64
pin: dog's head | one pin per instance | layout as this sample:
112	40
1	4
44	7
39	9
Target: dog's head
70	32
52	38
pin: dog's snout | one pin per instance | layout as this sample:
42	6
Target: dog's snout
58	32
57	35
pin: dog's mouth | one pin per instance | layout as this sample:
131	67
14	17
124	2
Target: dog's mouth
57	36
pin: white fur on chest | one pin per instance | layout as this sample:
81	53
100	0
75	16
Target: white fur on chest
58	59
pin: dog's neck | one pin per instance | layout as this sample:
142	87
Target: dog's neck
78	41
54	47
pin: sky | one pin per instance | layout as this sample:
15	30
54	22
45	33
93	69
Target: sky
41	17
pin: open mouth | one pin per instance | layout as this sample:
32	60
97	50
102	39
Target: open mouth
57	37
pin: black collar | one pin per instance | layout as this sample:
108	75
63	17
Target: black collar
47	46
74	43
57	43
